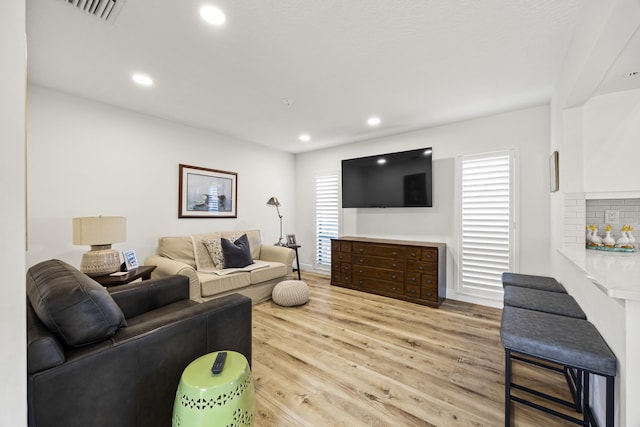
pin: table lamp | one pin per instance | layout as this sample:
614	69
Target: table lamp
273	202
99	232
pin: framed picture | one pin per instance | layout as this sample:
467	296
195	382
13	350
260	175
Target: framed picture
554	178
206	193
291	239
130	260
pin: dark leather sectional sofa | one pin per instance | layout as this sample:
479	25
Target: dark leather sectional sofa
86	368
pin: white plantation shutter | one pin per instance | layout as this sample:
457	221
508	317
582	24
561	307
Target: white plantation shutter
487	234
327	217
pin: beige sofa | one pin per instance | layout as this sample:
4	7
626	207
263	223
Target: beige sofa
192	256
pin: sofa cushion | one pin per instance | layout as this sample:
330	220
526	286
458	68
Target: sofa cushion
214	247
201	254
72	305
212	284
178	249
273	271
236	254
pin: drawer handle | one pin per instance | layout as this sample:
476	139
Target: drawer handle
394	253
421	267
429	256
361	282
360	271
394	289
429	281
394	277
361	261
413	279
429	294
413	254
361	250
413	291
394	265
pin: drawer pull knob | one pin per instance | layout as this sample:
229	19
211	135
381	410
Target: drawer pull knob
429	294
421	268
413	254
394	277
361	261
394	265
394	289
413	279
360	271
394	253
361	250
361	282
429	256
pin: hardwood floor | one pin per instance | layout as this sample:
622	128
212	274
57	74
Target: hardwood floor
348	358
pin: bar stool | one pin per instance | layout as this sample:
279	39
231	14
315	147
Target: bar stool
547	302
567	341
541	283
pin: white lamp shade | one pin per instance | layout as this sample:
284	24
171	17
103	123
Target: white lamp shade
99	230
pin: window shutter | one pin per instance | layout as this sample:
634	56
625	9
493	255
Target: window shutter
487	217
327	217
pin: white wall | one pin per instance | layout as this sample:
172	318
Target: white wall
13	401
88	158
526	131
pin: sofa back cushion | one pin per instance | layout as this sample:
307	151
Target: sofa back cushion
71	304
178	249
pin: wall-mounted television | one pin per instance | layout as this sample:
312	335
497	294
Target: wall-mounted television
391	180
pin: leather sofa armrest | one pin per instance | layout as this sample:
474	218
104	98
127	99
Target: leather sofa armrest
277	254
169	267
44	351
140	297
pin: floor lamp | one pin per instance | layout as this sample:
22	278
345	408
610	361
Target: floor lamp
273	202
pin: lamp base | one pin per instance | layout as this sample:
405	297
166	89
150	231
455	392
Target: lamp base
100	260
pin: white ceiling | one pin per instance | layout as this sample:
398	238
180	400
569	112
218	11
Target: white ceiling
413	63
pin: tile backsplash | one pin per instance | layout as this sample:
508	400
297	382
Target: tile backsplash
628	212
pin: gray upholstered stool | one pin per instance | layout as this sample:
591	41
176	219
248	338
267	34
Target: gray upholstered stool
290	293
567	341
548	302
541	283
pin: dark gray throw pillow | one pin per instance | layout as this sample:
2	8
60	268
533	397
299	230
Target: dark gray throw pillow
236	254
71	304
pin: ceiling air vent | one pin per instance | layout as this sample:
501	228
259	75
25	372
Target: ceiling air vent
105	10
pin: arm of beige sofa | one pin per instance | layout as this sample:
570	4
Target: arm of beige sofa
278	254
168	267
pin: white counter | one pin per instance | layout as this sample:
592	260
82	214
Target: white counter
617	274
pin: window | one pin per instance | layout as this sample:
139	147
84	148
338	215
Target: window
327	217
487	234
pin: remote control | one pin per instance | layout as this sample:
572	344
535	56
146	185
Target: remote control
218	364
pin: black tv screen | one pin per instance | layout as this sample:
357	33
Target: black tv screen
392	180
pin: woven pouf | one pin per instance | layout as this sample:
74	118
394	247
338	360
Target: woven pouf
290	293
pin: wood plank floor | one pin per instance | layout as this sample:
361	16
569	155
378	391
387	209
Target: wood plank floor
349	358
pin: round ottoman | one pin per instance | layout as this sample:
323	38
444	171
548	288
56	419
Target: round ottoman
290	293
206	399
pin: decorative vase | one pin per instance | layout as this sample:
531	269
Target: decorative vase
608	241
623	241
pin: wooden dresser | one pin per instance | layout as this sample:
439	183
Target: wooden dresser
406	270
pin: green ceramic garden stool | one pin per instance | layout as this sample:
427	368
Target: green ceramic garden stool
205	399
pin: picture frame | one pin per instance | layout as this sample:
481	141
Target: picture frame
130	260
554	177
206	193
291	239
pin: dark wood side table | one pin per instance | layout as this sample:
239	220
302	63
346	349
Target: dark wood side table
295	248
143	272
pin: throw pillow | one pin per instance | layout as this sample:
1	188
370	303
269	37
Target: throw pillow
214	247
236	254
71	304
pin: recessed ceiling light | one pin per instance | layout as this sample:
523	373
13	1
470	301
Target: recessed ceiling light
373	121
288	101
305	137
381	161
212	15
142	80
632	74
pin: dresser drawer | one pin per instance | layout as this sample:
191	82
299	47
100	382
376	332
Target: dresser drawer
429	254
429	280
421	267
413	279
378	250
430	294
379	262
345	246
412	291
341	257
379	273
378	284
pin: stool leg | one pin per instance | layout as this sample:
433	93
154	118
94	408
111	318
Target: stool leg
507	388
610	401
586	406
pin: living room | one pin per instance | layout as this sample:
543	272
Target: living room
90	158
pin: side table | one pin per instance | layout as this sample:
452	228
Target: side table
143	272
295	248
207	399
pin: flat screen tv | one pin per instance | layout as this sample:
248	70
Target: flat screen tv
392	180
